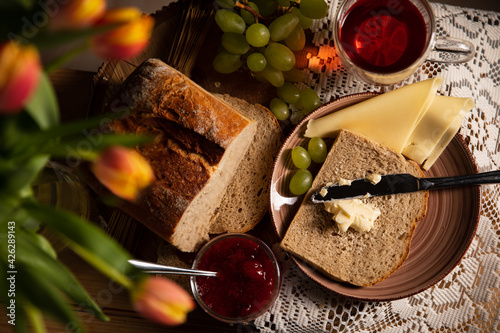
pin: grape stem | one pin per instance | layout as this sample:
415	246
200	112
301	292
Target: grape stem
250	9
292	4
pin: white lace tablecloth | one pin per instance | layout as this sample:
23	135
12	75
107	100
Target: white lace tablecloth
468	299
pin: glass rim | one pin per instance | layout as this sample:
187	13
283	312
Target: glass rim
269	302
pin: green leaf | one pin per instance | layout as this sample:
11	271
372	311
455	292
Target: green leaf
36	289
15	179
86	128
88	241
21	320
82	148
13	129
37	260
35	317
42	106
48	39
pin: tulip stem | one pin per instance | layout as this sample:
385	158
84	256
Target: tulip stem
64	58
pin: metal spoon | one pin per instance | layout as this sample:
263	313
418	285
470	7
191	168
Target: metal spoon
150	267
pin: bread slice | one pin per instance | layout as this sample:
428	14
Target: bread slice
247	197
199	143
359	258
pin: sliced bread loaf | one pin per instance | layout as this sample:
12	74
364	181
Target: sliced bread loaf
199	143
247	197
359	258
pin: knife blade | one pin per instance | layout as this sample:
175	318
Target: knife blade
400	183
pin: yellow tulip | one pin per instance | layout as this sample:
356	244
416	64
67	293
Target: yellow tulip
20	71
127	40
123	171
162	301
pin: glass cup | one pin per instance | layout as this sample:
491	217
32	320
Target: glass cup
248	280
385	41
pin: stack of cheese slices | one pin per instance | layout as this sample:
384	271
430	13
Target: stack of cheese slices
412	121
210	154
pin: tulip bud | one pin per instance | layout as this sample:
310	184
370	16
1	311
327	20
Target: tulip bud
123	171
162	300
77	14
20	71
127	40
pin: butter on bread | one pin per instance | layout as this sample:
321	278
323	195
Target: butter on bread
359	258
199	142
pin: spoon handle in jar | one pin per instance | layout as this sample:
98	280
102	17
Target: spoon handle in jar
149	267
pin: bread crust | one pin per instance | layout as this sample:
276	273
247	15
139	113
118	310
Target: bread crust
198	140
158	89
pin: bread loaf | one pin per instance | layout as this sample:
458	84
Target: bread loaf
247	197
359	258
199	142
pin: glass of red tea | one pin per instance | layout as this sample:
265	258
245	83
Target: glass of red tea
385	41
248	278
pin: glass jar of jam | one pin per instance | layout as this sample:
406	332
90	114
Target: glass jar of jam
248	278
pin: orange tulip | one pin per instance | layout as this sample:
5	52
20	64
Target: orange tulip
163	301
129	39
123	171
20	71
77	14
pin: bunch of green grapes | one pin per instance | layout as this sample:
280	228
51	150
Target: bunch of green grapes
262	35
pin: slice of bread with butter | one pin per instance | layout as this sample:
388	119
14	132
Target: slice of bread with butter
361	258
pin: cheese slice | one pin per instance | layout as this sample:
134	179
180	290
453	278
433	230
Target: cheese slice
445	139
436	121
389	118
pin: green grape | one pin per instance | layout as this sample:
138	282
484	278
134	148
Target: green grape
257	35
317	149
235	43
301	158
247	16
279	109
304	22
296	40
256	62
273	76
228	4
280	56
282	26
229	21
226	62
294	75
266	7
314	9
301	182
289	93
309	100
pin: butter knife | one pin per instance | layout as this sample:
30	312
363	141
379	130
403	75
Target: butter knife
400	183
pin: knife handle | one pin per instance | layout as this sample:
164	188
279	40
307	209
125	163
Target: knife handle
492	177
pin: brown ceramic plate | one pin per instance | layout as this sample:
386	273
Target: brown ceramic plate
440	240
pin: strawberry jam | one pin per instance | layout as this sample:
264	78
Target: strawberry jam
247	277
